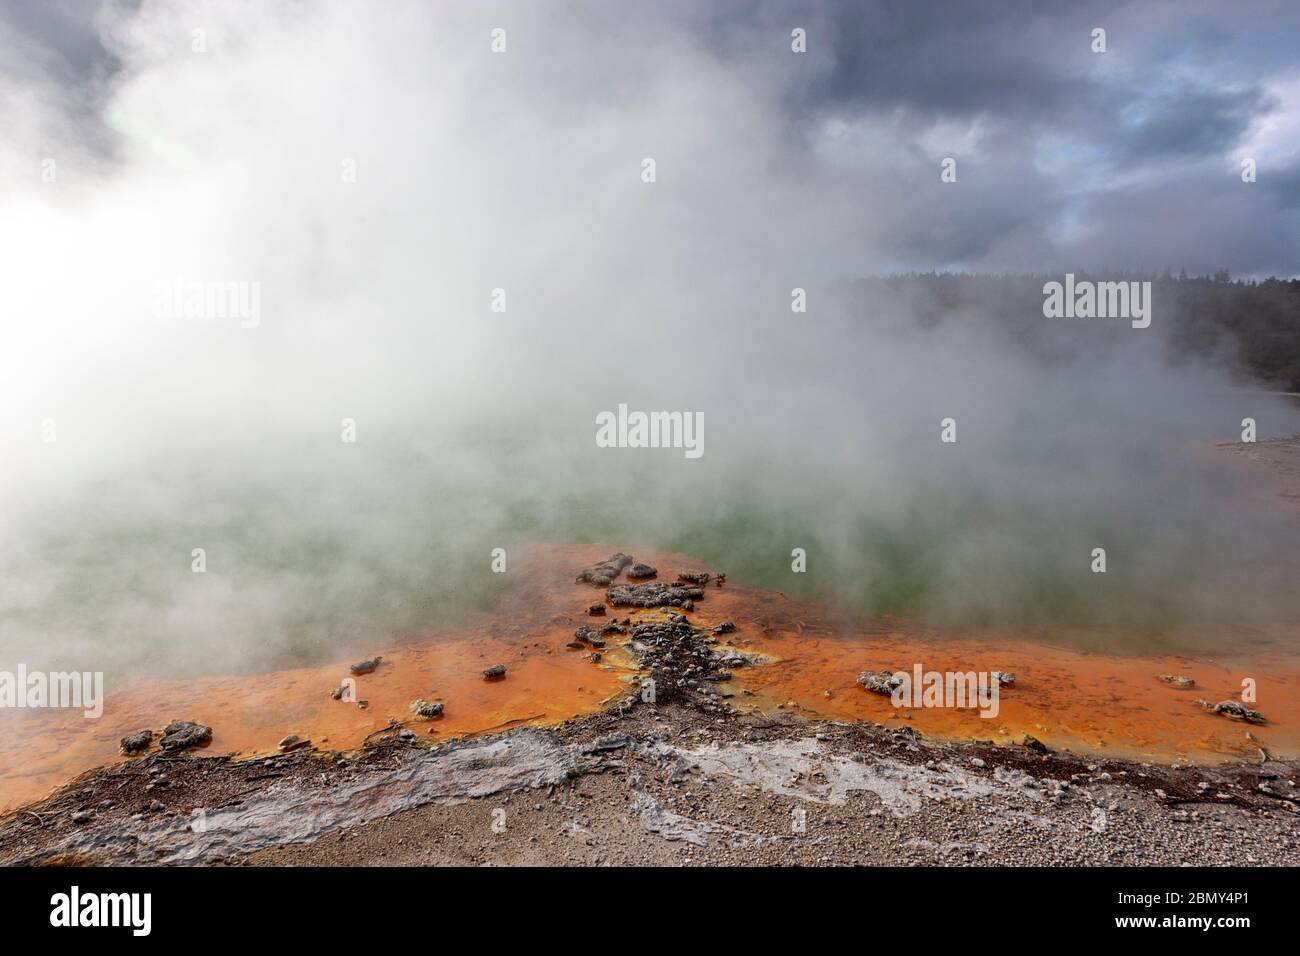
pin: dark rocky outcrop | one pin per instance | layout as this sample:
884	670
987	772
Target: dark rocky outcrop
427	709
882	682
603	574
137	742
653	594
1234	709
365	667
184	734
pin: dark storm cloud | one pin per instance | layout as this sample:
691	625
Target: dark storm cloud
1152	126
948	60
60	38
1135	169
1189	123
1284	185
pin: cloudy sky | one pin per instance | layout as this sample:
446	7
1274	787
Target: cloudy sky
1067	159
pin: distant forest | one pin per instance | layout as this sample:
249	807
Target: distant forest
1254	325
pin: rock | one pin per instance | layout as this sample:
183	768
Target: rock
883	682
595	657
1034	744
83	816
642	571
603	574
136	742
293	742
596	610
1177	680
726	627
586	635
695	577
184	734
426	709
157	806
976	762
365	667
1004	678
1235	710
495	672
653	594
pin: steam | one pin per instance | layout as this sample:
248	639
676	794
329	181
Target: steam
476	429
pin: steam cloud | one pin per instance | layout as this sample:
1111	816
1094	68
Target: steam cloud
475	429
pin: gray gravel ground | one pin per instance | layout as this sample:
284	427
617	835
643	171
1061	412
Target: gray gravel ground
671	785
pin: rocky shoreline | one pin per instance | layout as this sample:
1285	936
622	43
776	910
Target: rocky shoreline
670	774
668	783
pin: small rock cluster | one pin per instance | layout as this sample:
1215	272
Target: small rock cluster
653	594
880	682
184	734
586	637
1235	710
137	742
427	709
603	574
681	662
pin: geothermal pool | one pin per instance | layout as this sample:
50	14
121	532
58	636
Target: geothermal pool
805	660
